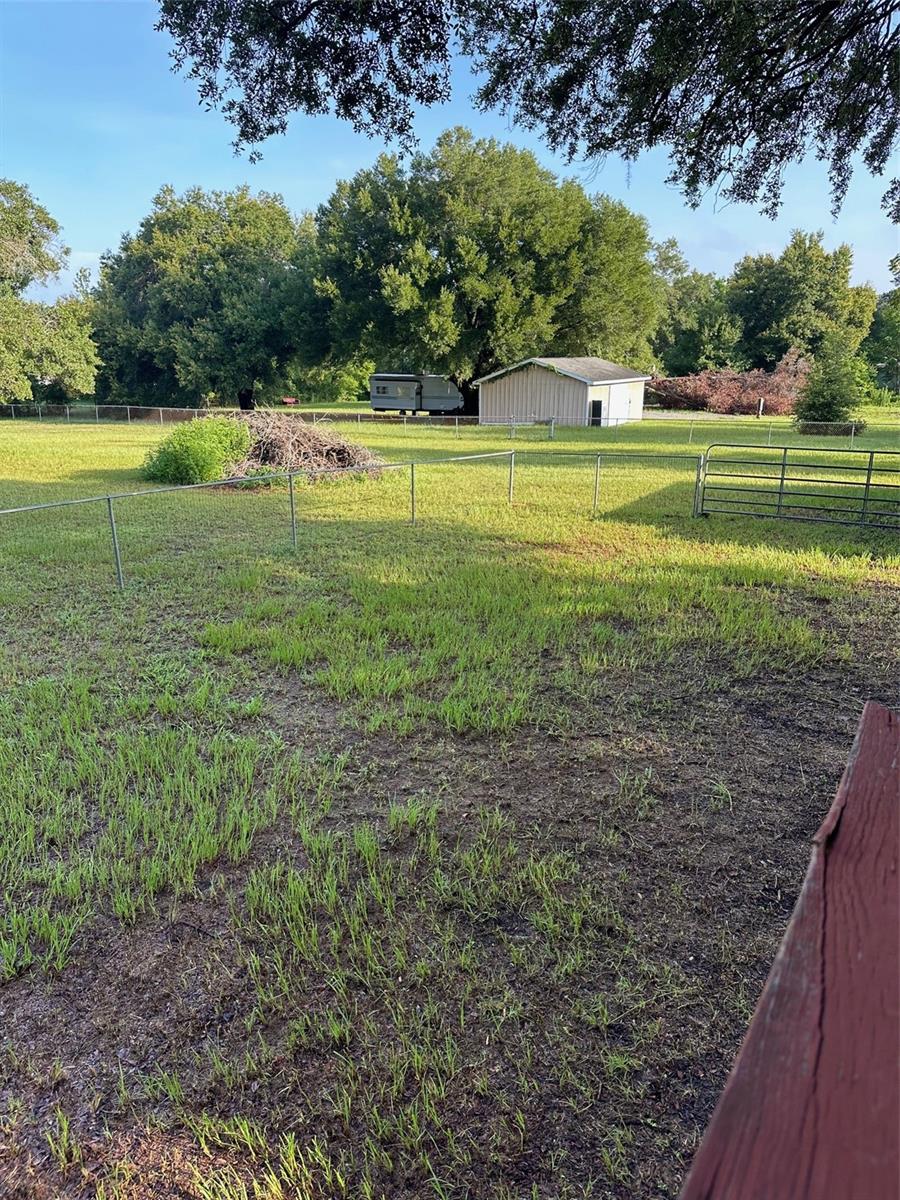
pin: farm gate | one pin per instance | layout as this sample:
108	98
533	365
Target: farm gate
841	487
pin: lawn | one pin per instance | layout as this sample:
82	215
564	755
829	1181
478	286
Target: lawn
437	860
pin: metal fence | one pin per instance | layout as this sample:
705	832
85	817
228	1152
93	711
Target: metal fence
141	535
112	504
838	487
696	424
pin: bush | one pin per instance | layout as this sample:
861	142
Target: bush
832	389
198	451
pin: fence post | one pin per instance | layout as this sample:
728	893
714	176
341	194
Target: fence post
68	414
852	432
456	419
412	493
159	410
596	486
691	433
770	434
781	483
115	542
12	409
698	486
293	511
865	502
552	428
128	411
96	412
512	473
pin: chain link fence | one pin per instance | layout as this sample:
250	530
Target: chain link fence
155	535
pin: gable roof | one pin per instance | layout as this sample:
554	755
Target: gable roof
586	370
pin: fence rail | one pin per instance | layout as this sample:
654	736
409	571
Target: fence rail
721	485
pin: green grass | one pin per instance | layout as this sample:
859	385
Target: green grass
351	765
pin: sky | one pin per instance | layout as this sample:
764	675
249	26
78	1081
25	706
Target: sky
94	121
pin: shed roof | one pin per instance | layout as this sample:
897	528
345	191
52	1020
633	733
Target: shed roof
586	370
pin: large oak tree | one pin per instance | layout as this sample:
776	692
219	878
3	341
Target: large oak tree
474	256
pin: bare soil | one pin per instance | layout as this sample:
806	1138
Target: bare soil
739	773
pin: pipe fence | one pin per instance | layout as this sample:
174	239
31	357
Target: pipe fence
840	487
148	531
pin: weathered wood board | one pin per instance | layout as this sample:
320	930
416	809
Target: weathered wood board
811	1110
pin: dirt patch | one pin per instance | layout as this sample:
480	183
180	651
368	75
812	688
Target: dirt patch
690	805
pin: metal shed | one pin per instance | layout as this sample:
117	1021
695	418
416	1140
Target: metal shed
571	391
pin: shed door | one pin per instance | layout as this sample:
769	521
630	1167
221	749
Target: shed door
596	412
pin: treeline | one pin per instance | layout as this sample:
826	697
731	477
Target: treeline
460	260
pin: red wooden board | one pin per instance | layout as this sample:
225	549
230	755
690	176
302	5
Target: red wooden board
811	1110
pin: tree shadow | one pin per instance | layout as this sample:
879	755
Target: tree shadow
669	509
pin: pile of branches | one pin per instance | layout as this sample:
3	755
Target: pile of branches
284	442
737	392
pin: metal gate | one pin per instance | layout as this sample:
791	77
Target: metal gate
799	483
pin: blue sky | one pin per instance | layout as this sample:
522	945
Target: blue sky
94	121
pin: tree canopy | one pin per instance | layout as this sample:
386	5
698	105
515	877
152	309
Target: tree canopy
200	301
698	331
798	299
41	345
737	91
882	345
474	256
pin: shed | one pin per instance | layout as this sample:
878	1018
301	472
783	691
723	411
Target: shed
572	391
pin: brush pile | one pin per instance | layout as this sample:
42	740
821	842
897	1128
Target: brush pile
283	442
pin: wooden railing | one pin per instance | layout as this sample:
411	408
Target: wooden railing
811	1110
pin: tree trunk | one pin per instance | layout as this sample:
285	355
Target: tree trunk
469	395
245	400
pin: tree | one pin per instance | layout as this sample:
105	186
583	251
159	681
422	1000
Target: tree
698	331
331	383
475	256
41	345
882	345
738	91
201	301
797	300
832	389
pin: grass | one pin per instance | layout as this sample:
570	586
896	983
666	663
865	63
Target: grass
414	861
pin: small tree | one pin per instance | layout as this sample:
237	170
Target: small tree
832	389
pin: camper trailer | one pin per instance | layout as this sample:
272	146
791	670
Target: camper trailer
390	392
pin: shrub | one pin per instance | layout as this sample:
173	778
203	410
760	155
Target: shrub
198	451
832	388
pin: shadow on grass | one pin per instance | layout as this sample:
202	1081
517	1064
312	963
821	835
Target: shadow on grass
669	509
